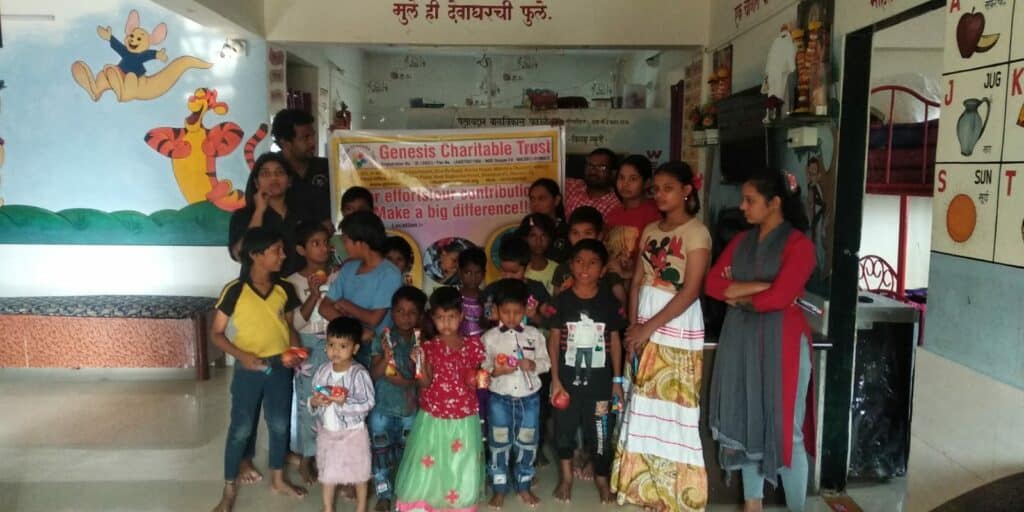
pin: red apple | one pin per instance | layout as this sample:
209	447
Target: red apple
560	400
968	32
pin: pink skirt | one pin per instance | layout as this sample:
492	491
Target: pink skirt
343	457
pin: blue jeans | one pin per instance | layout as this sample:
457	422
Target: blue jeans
794	477
249	390
387	440
514	425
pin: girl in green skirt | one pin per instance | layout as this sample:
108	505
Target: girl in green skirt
442	468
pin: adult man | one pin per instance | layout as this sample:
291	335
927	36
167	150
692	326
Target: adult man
295	133
597	188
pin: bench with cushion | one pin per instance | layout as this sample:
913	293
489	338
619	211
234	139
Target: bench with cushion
105	331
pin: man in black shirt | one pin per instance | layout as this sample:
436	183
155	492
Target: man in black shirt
295	133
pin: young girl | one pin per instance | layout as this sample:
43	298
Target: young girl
624	223
260	306
546	199
667	333
343	398
759	388
472	265
399	253
538	230
442	468
310	283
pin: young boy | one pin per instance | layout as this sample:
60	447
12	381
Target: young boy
355	199
399	253
586	223
514	254
515	356
584	340
393	373
260	306
366	282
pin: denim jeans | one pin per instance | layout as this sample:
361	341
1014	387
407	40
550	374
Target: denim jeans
514	425
249	390
387	440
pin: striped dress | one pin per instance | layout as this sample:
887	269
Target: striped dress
659	462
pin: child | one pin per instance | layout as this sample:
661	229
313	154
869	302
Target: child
392	417
472	265
586	224
355	199
538	230
514	254
342	442
442	467
667	332
546	199
627	221
309	283
260	306
366	281
584	336
515	356
399	253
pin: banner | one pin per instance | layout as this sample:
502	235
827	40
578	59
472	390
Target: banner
442	190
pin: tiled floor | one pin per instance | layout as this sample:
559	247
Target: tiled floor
79	443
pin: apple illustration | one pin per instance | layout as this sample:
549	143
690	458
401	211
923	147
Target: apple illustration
971	37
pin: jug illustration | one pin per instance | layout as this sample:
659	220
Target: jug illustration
970	126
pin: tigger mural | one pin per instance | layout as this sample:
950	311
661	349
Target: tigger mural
194	150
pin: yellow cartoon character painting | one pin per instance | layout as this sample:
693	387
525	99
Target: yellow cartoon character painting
128	78
194	149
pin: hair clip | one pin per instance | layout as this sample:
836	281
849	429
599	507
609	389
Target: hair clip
697	181
530	218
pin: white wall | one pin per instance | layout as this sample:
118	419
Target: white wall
32	270
880	234
346	84
452	79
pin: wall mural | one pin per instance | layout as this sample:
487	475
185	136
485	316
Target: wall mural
101	176
194	149
128	79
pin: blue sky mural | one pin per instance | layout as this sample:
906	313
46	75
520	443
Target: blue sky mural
63	150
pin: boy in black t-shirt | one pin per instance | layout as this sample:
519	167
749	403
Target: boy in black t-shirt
586	363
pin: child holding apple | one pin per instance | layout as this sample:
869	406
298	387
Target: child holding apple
515	355
311	283
344	397
260	305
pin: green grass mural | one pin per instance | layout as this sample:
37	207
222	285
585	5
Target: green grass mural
198	224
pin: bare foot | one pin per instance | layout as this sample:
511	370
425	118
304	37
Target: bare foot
307	471
604	490
247	473
529	498
227	499
382	506
752	506
563	493
281	485
585	473
497	501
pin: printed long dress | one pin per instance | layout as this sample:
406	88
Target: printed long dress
442	468
659	460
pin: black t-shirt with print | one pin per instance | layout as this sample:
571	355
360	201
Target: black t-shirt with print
569	319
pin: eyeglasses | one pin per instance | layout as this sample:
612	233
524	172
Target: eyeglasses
601	168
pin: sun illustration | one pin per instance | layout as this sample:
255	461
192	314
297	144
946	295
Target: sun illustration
961	218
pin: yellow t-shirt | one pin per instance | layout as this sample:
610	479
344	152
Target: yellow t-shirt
260	324
543	277
664	252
